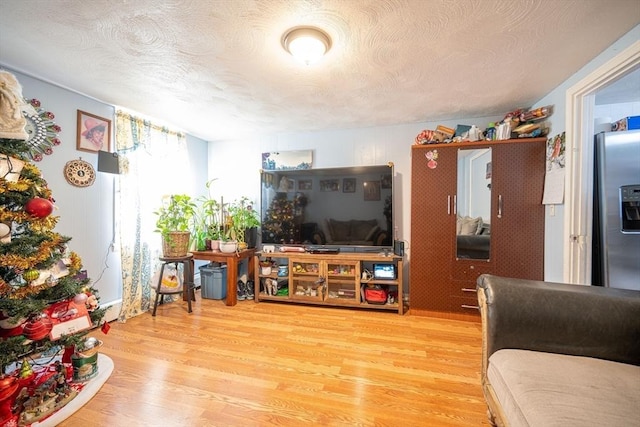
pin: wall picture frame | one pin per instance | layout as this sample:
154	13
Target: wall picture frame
371	191
287	160
94	133
329	185
348	185
286	185
305	185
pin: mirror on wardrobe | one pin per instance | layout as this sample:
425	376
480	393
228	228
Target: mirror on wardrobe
473	204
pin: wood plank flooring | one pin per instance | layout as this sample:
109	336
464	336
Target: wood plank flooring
272	364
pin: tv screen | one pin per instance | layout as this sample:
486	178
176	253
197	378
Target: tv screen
348	207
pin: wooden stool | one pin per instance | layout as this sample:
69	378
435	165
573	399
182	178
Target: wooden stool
185	283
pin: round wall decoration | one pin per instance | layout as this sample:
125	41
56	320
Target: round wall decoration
41	129
79	173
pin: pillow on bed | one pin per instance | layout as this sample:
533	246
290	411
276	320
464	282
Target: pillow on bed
470	226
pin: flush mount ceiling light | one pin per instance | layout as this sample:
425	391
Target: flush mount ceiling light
306	44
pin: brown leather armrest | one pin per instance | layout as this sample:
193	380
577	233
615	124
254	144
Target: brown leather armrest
559	318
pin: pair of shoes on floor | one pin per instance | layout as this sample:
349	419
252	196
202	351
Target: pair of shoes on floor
245	290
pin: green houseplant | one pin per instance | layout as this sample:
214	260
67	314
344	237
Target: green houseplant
244	222
174	223
208	220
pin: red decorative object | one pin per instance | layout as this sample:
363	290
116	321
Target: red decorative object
38	327
8	385
39	207
9	326
66	356
105	328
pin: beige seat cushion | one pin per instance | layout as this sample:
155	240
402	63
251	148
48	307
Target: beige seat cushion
545	389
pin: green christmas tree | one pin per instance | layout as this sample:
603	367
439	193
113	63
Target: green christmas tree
41	285
279	223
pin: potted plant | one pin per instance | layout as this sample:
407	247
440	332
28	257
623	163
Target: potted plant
244	222
174	223
208	221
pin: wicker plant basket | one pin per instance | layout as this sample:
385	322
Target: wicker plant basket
176	244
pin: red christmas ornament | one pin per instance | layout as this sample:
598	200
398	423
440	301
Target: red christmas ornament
39	207
8	385
10	326
38	327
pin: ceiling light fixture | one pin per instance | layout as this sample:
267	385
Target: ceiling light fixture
306	44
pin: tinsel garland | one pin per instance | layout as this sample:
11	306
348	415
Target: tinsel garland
4	288
75	265
24	262
39	224
13	195
26	291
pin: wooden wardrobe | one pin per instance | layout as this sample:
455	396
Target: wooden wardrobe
505	182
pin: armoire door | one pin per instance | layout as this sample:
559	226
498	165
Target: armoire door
433	186
518	214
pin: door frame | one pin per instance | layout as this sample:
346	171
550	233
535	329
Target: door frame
578	216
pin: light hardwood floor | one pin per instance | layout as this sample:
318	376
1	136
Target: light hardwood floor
272	364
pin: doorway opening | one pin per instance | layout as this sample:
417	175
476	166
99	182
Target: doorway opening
578	218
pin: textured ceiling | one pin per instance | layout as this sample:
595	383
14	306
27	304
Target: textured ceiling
217	70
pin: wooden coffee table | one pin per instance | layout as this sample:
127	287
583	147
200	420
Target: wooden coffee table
232	260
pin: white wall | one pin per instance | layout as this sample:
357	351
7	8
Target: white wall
350	147
609	113
555	234
379	145
87	214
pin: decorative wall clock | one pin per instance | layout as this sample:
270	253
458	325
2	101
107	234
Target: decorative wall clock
79	173
41	129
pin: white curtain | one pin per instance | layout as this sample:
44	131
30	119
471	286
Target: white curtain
154	163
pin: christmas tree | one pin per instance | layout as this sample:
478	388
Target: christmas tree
279	221
47	304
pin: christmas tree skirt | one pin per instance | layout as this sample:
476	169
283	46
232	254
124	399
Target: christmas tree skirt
89	389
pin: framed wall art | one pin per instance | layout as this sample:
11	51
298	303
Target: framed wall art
94	133
305	185
286	185
349	185
329	185
371	191
287	160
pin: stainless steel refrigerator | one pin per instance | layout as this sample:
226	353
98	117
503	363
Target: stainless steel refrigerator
616	206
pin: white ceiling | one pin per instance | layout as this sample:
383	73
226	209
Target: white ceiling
216	69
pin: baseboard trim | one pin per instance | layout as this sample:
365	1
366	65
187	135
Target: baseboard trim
444	315
113	310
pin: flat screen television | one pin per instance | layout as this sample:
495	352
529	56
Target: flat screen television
347	208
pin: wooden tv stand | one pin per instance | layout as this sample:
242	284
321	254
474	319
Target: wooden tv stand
343	284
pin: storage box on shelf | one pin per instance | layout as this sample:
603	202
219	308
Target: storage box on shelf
328	279
343	286
305	279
